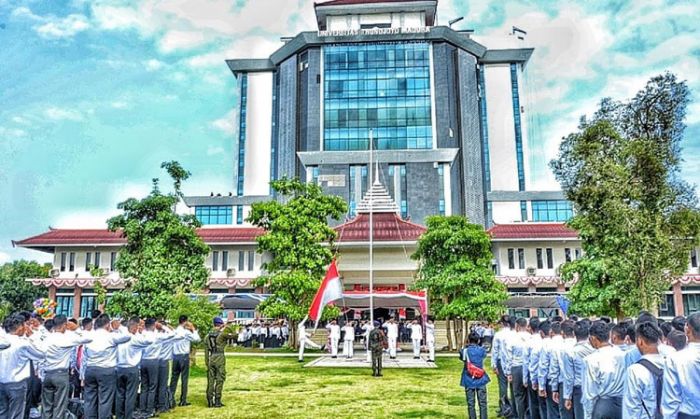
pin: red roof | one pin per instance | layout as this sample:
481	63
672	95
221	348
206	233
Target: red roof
352	2
532	231
387	227
58	237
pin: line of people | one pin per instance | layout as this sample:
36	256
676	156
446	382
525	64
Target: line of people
270	335
577	368
120	368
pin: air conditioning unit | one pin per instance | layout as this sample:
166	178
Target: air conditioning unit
230	273
531	271
54	273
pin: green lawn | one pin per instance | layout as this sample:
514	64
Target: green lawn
268	387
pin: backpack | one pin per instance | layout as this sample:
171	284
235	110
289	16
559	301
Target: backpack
658	375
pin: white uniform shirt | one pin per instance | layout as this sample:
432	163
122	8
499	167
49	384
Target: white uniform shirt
498	351
416	331
392	330
681	383
334	331
129	354
640	389
301	331
58	348
181	346
366	328
430	333
102	351
4	343
515	345
153	352
14	361
604	376
349	333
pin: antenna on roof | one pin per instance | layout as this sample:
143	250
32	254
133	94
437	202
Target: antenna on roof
455	20
520	33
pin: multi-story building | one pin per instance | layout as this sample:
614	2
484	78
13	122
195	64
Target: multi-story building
446	112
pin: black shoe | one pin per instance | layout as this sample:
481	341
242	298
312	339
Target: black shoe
183	404
416	357
380	375
219	404
334	357
210	403
301	360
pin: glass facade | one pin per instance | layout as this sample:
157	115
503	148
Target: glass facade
88	303
358	187
398	188
214	214
441	182
383	86
483	116
518	127
239	214
552	210
242	134
64	304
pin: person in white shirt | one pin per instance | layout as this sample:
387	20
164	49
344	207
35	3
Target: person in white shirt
101	367
14	367
639	400
681	385
416	338
334	336
430	339
4	343
58	347
573	369
187	335
150	364
498	359
366	328
128	360
305	339
164	399
556	368
392	334
604	376
348	339
515	345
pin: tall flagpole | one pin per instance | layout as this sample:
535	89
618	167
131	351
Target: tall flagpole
371	233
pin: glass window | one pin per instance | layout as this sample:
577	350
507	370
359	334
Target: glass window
64	305
694	258
552	210
511	258
547	312
567	254
97	259
71	263
540	262
441	186
358	186
239	214
398	187
691	303
577	253
483	116
63	262
519	312
224	260
88	260
241	261
88	303
667	308
214	214
521	258
242	134
251	261
245	314
215	261
383	86
518	129
113	261
550	259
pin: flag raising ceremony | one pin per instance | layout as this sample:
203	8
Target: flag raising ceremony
330	290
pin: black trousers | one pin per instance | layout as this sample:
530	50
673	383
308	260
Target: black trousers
54	396
13	397
564	413
533	400
127	386
474	394
577	396
543	407
100	389
519	392
181	369
149	385
608	408
376	362
502	384
552	406
162	394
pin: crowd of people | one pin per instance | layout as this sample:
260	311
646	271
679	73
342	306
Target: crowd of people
268	334
579	368
98	367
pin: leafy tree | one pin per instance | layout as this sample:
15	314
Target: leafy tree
163	254
200	312
637	220
455	267
16	293
296	230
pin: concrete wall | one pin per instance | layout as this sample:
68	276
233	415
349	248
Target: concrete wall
504	167
258	134
286	156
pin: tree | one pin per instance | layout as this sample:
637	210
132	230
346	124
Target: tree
637	220
16	294
200	312
295	232
455	267
163	254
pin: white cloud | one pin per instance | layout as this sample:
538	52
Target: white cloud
226	124
4	258
20	120
54	27
12	132
212	151
120	105
59	114
153	65
182	40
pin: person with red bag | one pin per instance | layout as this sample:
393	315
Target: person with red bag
474	376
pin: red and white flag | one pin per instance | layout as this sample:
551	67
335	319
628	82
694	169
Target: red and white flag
330	290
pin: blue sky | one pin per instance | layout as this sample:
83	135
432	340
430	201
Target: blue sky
95	94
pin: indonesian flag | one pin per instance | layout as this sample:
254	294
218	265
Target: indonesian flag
330	290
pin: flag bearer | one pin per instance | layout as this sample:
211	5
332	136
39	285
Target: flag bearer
392	334
334	336
416	337
348	339
305	339
430	339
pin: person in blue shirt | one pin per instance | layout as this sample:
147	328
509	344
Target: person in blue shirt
574	368
475	388
639	400
681	388
532	357
498	358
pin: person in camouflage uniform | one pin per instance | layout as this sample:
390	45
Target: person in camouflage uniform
215	360
377	343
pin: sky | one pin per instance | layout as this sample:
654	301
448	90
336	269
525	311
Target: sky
95	94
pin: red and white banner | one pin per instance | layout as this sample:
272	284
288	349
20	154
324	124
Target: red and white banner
330	290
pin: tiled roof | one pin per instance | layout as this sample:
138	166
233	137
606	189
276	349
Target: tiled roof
58	237
387	227
532	231
353	2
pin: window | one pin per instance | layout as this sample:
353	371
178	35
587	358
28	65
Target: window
511	259
240	176
215	261
245	314
567	254
71	263
213	214
97	259
383	86
691	303
241	261
547	312
88	303
540	262
550	259
312	173
113	261
518	129
550	211
63	262
358	187
239	214
667	307
251	261
483	116
224	260
521	258
64	303
523	210
441	186
578	254
398	188
88	259
694	258
519	312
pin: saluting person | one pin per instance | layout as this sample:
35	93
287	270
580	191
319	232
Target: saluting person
681	385
416	338
392	334
377	342
186	334
556	368
334	336
128	360
430	339
348	339
215	360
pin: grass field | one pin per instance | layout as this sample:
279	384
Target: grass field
267	387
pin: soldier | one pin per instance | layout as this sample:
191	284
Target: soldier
377	344
215	360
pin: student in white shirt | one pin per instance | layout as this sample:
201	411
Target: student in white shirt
150	364
128	361
392	334
181	357
305	339
101	368
682	376
348	339
58	347
430	339
334	336
604	376
498	359
416	338
639	400
515	345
